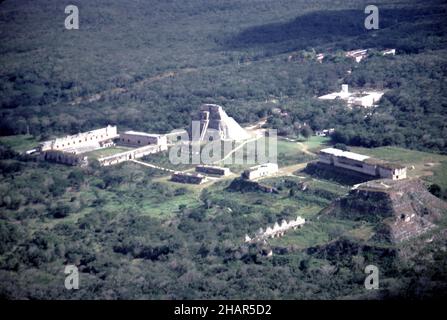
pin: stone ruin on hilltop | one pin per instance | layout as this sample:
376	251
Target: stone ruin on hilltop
403	209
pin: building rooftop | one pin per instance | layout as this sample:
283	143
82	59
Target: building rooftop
138	133
188	174
345	154
264	165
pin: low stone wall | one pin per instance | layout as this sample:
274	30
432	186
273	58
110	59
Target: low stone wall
190	178
131	154
58	156
220	171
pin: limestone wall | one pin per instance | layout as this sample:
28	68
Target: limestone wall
131	154
81	140
59	156
191	178
395	174
372	169
139	139
263	170
214	170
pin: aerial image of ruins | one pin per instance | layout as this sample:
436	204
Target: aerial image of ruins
223	150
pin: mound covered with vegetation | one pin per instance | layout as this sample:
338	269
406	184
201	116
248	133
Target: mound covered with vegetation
400	209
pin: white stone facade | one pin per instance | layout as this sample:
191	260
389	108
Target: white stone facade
139	139
362	164
260	171
82	142
278	230
131	154
365	99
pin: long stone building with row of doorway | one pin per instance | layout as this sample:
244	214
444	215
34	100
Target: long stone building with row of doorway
362	164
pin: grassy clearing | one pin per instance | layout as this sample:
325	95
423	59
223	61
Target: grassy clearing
106	152
290	153
328	185
19	143
439	175
315	143
401	155
168	209
420	164
362	233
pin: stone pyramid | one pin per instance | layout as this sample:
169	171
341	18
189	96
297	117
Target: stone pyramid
213	116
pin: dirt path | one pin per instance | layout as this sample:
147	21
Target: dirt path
288	171
305	150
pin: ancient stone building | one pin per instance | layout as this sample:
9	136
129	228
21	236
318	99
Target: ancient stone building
186	177
220	171
70	158
131	154
401	209
139	139
278	230
70	149
82	142
358	98
357	55
213	116
361	163
260	171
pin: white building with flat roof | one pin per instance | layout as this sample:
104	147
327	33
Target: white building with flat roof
359	98
82	142
139	139
260	171
362	164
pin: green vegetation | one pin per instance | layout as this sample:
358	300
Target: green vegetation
400	155
430	167
316	142
147	66
134	237
19	143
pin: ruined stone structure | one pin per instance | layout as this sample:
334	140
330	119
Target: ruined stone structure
132	154
363	164
278	230
260	171
213	116
82	142
186	177
139	139
220	171
70	149
361	98
403	209
69	158
357	55
388	52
